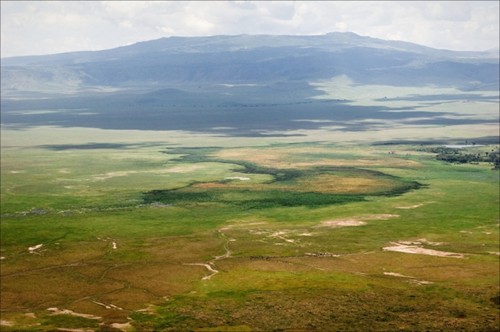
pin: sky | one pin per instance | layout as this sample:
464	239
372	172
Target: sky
47	27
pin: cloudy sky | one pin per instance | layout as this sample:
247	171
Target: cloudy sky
45	27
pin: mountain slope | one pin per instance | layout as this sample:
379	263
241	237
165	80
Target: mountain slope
249	85
248	59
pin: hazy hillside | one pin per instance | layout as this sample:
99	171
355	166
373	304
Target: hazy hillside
247	83
249	59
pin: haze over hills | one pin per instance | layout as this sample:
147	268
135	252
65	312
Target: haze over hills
247	83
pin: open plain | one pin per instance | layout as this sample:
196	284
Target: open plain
333	237
251	183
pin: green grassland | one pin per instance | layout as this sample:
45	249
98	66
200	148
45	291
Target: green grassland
258	237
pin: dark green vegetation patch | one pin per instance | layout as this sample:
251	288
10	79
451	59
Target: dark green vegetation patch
285	189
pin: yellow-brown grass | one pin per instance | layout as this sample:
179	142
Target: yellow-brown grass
287	158
328	183
323	183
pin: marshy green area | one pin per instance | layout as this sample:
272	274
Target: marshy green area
234	237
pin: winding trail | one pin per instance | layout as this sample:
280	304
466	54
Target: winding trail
210	266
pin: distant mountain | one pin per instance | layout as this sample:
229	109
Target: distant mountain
247	59
238	85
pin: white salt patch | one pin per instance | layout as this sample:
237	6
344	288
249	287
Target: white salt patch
412	279
409	207
57	311
421	282
34	248
394	274
114	245
413	249
151	308
108	306
241	178
115	307
122	326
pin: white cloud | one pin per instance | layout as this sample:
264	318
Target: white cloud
41	27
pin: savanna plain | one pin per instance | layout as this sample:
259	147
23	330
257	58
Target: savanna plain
213	233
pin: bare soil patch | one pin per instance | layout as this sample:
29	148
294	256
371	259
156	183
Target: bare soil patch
409	207
415	247
122	326
57	311
342	223
33	249
394	274
410	279
355	221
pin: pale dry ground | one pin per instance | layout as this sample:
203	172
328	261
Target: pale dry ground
278	235
49	135
356	220
409	278
284	158
344	88
409	207
57	311
416	247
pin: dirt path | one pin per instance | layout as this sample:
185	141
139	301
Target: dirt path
210	266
